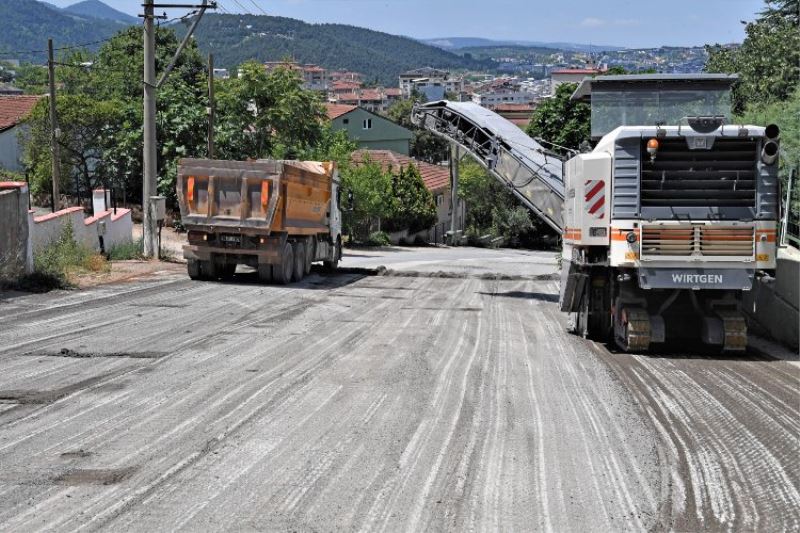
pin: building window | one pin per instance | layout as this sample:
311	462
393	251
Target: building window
368	124
439	200
345	121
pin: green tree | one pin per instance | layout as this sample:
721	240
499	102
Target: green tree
768	61
413	205
371	190
561	120
267	114
425	146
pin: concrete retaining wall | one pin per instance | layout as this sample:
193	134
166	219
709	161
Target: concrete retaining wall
773	305
117	228
16	258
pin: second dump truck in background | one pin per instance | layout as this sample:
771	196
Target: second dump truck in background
276	216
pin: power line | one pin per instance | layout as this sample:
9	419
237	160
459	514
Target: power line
258	7
20	52
247	11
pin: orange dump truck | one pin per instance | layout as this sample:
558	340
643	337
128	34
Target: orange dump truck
276	216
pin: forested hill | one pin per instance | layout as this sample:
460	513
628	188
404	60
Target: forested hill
27	24
380	56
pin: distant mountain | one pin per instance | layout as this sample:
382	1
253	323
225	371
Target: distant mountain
27	24
98	10
380	56
455	43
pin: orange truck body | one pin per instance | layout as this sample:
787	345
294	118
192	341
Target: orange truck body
246	212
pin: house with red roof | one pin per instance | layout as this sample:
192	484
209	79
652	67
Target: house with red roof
14	109
436	179
369	130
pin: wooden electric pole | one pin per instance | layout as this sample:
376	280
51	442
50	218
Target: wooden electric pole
54	131
211	106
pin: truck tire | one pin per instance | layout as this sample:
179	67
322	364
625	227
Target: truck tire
330	266
208	270
299	270
282	272
193	269
310	254
265	273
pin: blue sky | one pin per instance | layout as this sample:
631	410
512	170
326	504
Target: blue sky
632	23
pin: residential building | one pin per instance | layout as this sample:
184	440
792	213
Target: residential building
519	114
221	73
429	78
436	179
13	111
344	75
501	91
572	75
10	90
375	100
315	78
369	130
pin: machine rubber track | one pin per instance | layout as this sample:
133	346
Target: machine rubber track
735	330
636	335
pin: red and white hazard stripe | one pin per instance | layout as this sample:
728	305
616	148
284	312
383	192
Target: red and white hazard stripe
596	198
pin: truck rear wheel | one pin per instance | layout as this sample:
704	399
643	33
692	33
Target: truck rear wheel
299	270
265	273
193	268
282	272
208	270
310	253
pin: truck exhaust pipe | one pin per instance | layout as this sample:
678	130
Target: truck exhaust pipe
769	154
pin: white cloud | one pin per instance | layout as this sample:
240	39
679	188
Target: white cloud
592	22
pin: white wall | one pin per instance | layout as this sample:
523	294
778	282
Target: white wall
118	228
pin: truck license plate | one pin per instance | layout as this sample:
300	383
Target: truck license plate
231	239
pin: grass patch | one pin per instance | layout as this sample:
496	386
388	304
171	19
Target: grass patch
127	251
64	257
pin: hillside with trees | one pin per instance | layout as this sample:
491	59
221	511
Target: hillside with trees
27	24
235	39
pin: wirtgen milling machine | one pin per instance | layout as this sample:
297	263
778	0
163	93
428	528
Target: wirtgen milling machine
664	223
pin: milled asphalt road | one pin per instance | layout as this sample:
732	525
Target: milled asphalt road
389	403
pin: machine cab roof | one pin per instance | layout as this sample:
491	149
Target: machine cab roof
655	99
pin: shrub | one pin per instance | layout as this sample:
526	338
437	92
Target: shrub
57	260
378	238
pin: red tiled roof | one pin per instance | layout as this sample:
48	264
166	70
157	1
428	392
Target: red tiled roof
393	92
436	178
15	108
371	95
337	110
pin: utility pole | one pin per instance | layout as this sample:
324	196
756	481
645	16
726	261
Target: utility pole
54	149
211	106
149	181
454	157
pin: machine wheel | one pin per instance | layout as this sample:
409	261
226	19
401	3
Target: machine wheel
735	330
310	253
265	273
633	334
299	269
193	269
330	266
282	272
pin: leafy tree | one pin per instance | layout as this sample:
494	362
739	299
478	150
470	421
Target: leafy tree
413	205
425	146
267	114
768	60
86	127
561	120
371	190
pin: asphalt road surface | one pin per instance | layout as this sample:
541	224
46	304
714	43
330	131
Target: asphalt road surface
350	402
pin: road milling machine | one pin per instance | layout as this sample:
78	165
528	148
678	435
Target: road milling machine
664	223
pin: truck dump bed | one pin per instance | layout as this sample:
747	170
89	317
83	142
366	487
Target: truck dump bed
256	197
